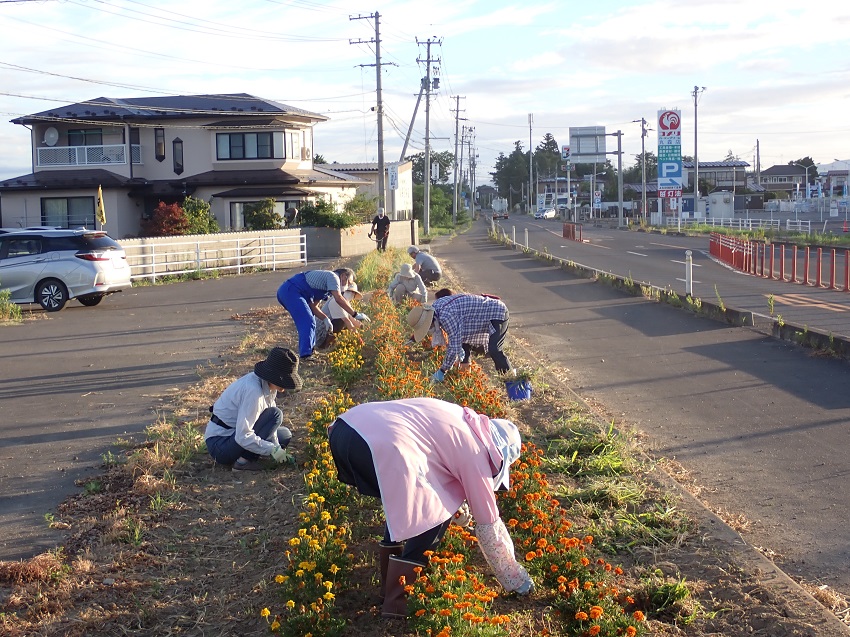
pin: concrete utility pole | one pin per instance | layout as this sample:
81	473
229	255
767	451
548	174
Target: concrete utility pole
379	107
698	90
619	135
472	162
460	166
426	213
530	157
457	121
642	122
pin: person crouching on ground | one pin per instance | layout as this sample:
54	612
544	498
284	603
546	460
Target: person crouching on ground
341	319
407	283
301	295
423	457
245	423
468	320
425	264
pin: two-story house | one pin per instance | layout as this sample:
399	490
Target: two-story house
230	150
786	180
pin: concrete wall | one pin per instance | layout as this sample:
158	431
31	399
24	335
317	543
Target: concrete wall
330	242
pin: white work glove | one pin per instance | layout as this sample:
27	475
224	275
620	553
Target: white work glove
463	517
281	455
362	317
329	324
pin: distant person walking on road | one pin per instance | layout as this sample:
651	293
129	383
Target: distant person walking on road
468	320
407	283
301	295
425	264
380	229
245	423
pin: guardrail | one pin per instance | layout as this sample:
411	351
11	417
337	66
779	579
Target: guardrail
152	260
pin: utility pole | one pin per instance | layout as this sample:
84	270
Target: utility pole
426	213
619	135
457	121
698	90
642	121
530	157
472	173
460	168
379	107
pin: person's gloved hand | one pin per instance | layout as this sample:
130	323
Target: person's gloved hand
438	376
362	317
281	455
526	589
329	324
463	517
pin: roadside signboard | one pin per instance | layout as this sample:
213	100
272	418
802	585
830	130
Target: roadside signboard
587	144
669	154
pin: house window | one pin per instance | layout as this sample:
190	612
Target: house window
85	137
266	145
67	212
159	143
177	152
293	146
237	212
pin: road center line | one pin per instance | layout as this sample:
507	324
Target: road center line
637	254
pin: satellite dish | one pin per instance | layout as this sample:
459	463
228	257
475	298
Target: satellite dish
51	136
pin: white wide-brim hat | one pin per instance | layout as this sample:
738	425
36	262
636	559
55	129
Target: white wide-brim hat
407	271
420	319
351	292
508	441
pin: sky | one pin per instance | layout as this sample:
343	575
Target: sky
775	73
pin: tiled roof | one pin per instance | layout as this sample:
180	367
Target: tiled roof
784	169
68	179
177	106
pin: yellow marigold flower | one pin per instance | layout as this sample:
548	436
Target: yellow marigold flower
294	541
328	596
595	612
299	573
328	584
280	579
334	569
581	616
265	612
290	604
302	532
275	626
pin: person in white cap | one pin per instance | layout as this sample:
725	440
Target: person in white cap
425	264
380	229
423	458
407	283
340	319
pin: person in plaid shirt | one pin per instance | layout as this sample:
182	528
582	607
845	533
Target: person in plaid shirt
467	319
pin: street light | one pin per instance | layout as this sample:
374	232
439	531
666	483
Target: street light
808	194
698	90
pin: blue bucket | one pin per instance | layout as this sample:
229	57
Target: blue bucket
518	389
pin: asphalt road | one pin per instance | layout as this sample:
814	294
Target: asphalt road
760	424
75	381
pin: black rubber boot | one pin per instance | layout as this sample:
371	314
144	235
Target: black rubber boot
384	552
395	601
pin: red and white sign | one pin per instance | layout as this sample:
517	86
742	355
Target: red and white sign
669	193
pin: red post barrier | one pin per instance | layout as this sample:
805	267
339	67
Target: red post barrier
763	259
782	262
794	266
847	270
805	280
819	268
832	271
772	257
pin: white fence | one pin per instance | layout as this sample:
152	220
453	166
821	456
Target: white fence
737	224
152	260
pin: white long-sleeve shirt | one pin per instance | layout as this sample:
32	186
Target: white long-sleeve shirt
239	405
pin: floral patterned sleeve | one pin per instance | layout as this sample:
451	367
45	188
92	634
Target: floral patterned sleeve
498	550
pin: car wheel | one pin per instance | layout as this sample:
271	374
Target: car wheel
52	295
90	300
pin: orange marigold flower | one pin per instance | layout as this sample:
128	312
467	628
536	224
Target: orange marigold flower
630	599
595	612
631	631
585	561
541	543
420	612
638	615
445	612
554	568
594	630
618	571
530	556
581	616
588	539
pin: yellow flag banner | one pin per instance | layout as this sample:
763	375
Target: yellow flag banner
100	210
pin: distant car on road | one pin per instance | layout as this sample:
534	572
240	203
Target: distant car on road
546	213
49	266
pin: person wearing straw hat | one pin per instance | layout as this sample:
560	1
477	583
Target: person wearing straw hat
467	319
407	283
425	264
380	229
245	423
301	295
341	319
423	458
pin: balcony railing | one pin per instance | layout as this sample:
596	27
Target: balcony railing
88	155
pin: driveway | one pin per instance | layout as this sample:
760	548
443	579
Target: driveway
76	381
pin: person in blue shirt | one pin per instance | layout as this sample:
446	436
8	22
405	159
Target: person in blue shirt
302	295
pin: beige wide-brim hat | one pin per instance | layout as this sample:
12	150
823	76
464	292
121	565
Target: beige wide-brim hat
407	271
351	292
420	319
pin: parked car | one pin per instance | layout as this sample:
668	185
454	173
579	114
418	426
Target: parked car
49	267
546	213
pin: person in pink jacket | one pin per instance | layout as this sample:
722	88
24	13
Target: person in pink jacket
423	458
